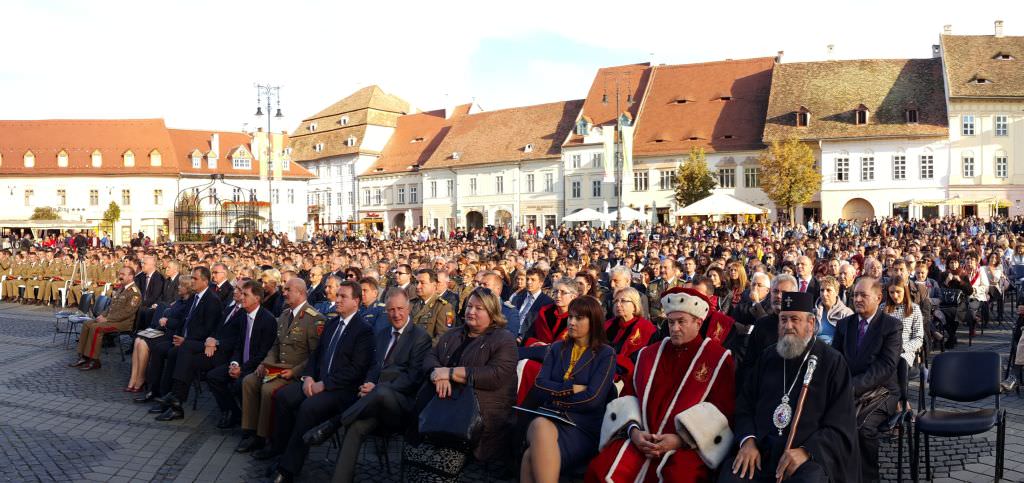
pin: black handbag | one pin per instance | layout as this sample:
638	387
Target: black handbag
455	420
951	297
426	463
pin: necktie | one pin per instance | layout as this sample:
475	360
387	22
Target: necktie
291	318
331	348
526	305
391	345
248	335
861	331
232	314
803	285
188	319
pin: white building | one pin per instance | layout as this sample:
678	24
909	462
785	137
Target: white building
340	143
878	130
80	167
984	79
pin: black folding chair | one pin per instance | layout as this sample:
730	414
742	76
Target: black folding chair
961	377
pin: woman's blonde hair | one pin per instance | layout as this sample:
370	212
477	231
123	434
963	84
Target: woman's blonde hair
492	304
630	294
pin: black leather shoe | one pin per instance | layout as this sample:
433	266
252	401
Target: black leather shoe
265	454
321	433
145	398
158	408
79	363
171	414
283	477
229	421
173	401
249	443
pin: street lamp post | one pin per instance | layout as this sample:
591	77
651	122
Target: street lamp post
270	93
619	155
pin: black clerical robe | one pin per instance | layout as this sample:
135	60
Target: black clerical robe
827	427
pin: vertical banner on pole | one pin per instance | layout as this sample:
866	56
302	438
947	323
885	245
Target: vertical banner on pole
627	159
608	139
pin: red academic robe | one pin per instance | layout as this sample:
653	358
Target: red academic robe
550	326
669	380
628	342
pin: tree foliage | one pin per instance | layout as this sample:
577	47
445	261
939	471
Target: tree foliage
788	174
694	180
112	214
44	213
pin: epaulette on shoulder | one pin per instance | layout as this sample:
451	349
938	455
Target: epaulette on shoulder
379	304
442	301
311	311
510	305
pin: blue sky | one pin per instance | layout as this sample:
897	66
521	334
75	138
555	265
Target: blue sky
194	62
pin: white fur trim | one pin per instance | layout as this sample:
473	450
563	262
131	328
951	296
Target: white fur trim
664	420
684	302
617	415
519	372
704	426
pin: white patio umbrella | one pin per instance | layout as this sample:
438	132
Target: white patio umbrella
586	214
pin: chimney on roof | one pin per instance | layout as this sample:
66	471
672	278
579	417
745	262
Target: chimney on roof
215	143
947	29
999	28
778	57
936	51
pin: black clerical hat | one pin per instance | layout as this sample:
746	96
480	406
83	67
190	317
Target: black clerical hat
797	302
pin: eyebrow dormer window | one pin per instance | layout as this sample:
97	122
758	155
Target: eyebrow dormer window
1003	56
861	115
803	117
980	80
911	115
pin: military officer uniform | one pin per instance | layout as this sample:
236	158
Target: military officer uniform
60	275
656	288
33	280
13	279
374	315
120	317
297	338
434	316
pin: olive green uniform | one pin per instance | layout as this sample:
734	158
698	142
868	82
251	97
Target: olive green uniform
434	316
120	317
297	338
655	289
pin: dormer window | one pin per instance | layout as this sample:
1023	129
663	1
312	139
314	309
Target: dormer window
980	79
417	140
318	147
62	159
583	127
911	115
154	158
803	117
728	136
625	119
1003	56
97	159
528	148
343	121
861	115
351	141
29	159
682	100
455	155
211	160
312	127
129	159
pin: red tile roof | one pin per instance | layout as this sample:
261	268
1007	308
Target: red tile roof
600	107
502	136
187	141
718	106
79	138
414	140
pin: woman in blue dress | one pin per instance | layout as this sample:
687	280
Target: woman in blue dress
574	384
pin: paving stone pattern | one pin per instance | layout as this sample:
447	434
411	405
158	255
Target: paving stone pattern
58	424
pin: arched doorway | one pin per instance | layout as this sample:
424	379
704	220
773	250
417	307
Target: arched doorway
858	209
399	221
503	218
474	219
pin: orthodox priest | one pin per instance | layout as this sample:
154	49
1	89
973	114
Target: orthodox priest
672	424
825	446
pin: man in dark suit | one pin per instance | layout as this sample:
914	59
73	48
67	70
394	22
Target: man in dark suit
170	291
219	273
202	318
329	384
387	396
847	278
318	287
871	341
151	284
805	281
257	333
493	281
529	301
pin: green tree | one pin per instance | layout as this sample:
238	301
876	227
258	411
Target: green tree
694	180
112	214
788	174
44	213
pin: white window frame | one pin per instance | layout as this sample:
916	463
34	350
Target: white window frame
641	180
576	188
1002	165
842	169
899	167
595	188
450	187
549	182
967	125
752	177
968	168
197	161
241	163
867	168
378	197
499	184
1002	125
414	194
530	183
927	162
575	160
597	160
433	189
472	186
727	177
401	195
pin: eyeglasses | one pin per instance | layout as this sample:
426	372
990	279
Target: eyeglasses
402	273
563	292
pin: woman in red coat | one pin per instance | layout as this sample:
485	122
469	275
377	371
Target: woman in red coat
549	326
627	332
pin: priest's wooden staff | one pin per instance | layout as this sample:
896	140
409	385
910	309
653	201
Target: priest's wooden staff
812	363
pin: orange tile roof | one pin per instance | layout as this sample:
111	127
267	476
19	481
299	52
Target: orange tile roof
632	81
502	136
79	138
414	140
718	106
187	141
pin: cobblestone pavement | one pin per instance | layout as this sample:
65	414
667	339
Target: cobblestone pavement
58	424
